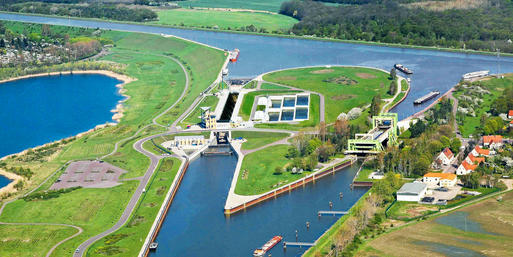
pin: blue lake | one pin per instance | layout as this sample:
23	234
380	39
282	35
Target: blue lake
39	110
4	181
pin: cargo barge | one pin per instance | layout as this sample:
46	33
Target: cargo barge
427	97
270	244
234	55
400	67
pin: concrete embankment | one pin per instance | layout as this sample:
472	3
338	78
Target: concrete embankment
236	203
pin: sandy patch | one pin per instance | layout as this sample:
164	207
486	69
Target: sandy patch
10	187
366	76
323	71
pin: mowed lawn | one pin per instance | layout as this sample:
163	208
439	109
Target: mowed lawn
34	240
256	174
483	228
343	87
264	5
257	139
224	19
126	241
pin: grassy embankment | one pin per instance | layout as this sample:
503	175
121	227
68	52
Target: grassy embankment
487	226
195	116
496	87
343	87
404	91
257	139
159	83
224	20
127	240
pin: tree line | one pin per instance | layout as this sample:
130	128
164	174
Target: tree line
389	22
91	10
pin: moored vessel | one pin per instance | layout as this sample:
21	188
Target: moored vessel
234	55
267	246
403	69
427	97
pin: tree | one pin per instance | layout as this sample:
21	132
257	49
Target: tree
375	105
278	170
2	43
471	180
417	129
393	87
393	74
455	145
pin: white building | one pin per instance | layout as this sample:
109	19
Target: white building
411	192
433	180
446	156
465	168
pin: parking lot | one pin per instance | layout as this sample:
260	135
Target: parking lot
92	174
438	194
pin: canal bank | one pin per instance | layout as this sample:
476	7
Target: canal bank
235	202
196	212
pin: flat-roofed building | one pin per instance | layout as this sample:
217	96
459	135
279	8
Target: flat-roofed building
187	141
440	179
208	118
411	192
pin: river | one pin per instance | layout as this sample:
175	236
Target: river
433	70
196	225
39	110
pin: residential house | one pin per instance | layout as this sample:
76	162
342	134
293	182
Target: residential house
473	159
478	151
510	114
446	156
412	192
492	142
440	179
465	168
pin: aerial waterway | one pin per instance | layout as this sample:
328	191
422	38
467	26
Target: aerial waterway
196	226
434	70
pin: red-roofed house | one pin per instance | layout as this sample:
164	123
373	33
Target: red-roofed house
510	114
478	151
446	156
473	159
493	142
465	168
511	123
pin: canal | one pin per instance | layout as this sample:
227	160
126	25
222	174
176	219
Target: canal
433	70
196	225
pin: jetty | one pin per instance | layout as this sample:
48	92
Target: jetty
431	95
333	213
298	244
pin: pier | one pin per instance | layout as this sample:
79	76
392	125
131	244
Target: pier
298	244
333	213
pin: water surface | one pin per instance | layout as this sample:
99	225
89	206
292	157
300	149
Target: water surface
461	221
449	250
196	225
39	110
4	181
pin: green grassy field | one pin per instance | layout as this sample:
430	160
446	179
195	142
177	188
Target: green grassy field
434	238
342	87
404	89
259	167
496	86
34	240
225	20
159	83
257	139
272	86
265	5
127	240
194	117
